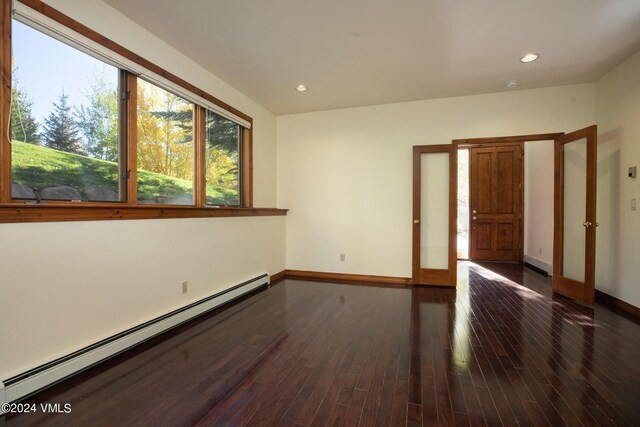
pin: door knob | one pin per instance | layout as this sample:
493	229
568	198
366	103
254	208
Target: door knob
474	218
416	221
587	224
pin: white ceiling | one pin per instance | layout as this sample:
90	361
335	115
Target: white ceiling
363	52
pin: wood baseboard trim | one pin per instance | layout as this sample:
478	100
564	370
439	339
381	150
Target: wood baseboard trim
277	278
536	269
625	307
351	279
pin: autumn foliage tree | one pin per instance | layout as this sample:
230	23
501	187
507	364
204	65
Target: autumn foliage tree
165	132
98	120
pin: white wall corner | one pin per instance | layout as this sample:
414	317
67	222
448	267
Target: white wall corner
540	264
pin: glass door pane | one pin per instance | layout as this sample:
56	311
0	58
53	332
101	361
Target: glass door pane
434	211
575	197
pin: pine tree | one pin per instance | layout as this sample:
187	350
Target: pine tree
222	133
221	161
23	125
60	131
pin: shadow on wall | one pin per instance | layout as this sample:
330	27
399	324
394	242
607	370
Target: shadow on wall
608	214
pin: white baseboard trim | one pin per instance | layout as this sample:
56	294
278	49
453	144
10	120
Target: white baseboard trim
33	380
539	264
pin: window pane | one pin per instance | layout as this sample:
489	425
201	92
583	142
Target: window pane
222	161
165	146
64	121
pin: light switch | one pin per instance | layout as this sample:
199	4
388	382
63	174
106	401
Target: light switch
634	207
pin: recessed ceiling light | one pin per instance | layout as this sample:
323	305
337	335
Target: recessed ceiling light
529	57
302	88
512	84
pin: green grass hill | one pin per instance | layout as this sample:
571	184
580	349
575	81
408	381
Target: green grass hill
41	167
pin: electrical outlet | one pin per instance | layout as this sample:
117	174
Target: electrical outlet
185	287
342	257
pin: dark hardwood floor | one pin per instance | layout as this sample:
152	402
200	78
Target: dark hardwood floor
491	352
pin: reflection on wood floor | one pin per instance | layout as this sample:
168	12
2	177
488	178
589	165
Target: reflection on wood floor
491	352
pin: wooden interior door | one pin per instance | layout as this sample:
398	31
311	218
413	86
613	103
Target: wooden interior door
574	231
435	172
495	189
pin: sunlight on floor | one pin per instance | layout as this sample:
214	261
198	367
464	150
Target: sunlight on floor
524	292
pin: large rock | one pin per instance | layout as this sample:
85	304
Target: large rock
21	191
61	192
168	200
100	194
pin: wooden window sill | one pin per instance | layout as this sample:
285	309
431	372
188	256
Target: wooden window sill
22	212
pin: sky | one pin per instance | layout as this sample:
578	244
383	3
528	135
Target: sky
44	67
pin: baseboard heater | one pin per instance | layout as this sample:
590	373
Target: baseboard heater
33	380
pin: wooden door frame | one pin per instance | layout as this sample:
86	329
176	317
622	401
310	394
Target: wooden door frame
505	141
438	277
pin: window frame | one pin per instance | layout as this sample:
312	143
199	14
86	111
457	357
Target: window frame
16	210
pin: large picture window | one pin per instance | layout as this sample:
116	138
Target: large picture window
92	125
64	123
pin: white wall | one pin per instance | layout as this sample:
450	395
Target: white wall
618	113
66	285
538	202
346	174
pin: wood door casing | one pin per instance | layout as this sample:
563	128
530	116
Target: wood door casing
496	176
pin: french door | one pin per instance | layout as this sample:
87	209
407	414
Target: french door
574	234
434	214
